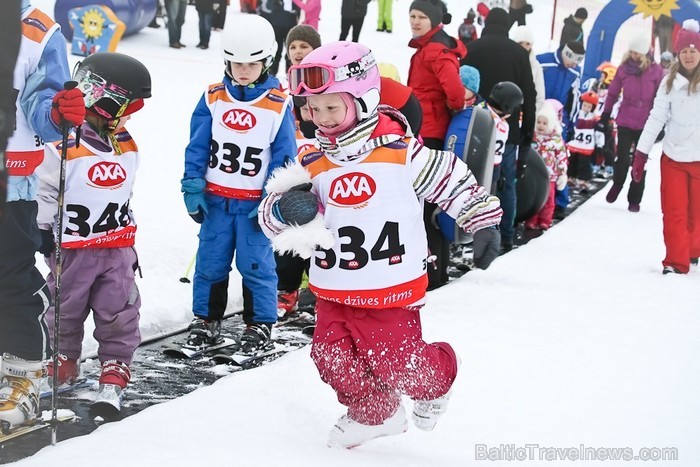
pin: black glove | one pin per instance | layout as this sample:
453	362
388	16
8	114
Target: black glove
602	124
48	245
297	206
487	246
523	152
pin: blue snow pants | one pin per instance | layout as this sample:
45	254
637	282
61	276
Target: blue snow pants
507	194
226	229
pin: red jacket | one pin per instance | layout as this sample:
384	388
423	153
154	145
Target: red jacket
434	78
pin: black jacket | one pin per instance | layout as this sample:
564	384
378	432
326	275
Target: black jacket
354	9
572	31
500	59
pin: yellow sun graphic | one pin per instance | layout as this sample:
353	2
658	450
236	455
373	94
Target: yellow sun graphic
93	24
654	8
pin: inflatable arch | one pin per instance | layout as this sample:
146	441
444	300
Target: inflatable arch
135	14
602	37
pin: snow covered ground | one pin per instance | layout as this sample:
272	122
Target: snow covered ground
574	341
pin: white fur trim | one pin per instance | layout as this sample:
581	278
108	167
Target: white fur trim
302	240
284	178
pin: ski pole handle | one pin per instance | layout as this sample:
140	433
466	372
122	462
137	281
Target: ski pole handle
72	84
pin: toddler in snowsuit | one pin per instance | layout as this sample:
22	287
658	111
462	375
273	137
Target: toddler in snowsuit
370	177
586	141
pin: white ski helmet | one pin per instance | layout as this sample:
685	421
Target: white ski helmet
248	38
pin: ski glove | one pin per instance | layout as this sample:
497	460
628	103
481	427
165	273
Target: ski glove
68	108
193	189
48	245
487	246
298	206
603	122
640	160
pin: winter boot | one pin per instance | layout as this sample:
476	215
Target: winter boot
113	380
19	391
670	270
287	302
614	192
694	261
633	207
68	371
255	337
426	413
204	333
348	434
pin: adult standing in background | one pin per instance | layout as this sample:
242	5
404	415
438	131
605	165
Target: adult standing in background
384	20
219	19
663	28
434	78
283	17
523	36
573	30
517	11
500	59
205	11
676	108
312	11
352	14
636	80
175	9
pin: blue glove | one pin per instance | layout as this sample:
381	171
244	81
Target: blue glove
193	189
487	246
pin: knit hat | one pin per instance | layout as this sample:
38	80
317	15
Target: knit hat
522	34
581	13
435	10
689	36
470	78
471	14
639	43
498	16
574	51
305	33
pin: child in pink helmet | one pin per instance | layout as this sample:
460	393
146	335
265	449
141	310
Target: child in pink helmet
367	178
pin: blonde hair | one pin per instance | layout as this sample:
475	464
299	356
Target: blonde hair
644	62
693	78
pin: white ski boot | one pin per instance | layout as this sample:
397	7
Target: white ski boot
426	413
113	380
348	433
19	391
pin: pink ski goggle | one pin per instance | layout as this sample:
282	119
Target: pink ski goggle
317	77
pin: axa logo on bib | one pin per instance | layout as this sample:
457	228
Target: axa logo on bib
352	190
239	120
107	174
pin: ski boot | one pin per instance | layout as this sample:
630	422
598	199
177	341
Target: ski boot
255	337
19	391
203	333
287	302
348	434
68	371
113	380
426	413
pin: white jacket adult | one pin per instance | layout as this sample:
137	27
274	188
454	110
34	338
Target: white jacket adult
679	112
523	34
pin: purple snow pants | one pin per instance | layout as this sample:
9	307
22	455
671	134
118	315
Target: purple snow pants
101	280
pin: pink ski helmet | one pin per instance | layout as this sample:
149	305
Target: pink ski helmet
339	67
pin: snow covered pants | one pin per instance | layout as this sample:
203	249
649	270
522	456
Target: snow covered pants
680	204
24	296
370	357
101	280
227	228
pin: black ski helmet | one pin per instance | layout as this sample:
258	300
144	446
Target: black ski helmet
506	97
111	81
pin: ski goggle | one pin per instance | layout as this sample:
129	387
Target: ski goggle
108	100
317	77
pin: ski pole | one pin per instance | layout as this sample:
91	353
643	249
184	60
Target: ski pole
185	279
65	130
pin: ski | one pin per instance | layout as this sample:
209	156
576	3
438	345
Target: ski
66	388
36	425
239	359
178	351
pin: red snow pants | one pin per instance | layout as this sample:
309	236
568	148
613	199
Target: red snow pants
372	356
680	204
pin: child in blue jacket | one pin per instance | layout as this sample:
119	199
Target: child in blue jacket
241	130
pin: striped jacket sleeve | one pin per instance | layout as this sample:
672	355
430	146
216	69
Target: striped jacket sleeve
442	178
